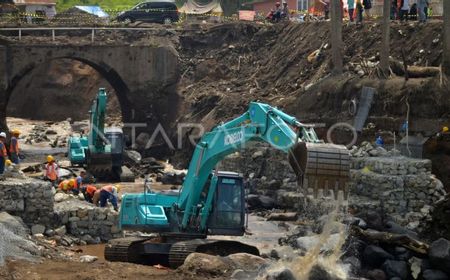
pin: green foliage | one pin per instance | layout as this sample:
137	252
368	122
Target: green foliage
107	5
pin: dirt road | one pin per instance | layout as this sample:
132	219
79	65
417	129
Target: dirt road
99	270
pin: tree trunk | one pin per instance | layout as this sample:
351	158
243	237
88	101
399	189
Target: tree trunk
446	62
336	36
385	45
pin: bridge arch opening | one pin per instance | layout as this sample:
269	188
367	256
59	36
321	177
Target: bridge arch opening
64	87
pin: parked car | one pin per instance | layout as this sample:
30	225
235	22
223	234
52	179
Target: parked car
160	12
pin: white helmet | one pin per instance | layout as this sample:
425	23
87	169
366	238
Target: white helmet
2	134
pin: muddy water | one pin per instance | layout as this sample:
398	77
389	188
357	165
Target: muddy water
302	265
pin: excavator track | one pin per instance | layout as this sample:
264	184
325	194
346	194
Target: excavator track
151	251
121	250
179	252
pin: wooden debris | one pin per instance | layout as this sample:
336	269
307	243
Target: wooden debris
392	238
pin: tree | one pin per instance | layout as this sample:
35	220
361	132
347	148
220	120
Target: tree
385	40
336	36
446	56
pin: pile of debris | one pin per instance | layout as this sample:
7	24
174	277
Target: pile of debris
44	133
366	149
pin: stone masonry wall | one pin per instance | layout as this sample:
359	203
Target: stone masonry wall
30	199
402	187
34	201
85	221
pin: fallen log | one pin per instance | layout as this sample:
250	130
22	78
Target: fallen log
413	71
288	216
391	238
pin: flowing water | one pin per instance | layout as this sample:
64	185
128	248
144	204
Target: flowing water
301	266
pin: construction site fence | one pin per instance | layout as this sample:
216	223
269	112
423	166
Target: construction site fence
8	18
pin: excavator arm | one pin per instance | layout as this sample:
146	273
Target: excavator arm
261	123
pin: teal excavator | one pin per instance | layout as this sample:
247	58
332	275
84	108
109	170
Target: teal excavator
212	202
101	151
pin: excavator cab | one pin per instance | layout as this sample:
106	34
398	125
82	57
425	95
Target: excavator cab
228	207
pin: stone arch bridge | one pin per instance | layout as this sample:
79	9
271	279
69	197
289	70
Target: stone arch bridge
144	76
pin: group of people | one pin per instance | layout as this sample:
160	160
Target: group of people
400	9
92	194
405	10
279	13
9	152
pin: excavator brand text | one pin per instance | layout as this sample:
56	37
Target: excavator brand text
233	138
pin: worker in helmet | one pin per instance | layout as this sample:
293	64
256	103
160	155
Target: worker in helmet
12	170
277	13
3	152
88	192
66	185
444	131
107	193
14	146
51	170
79	182
285	11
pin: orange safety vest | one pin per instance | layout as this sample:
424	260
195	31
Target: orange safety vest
14	145
4	153
51	171
90	189
64	185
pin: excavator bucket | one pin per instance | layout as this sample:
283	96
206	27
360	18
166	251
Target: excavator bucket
298	157
328	169
323	169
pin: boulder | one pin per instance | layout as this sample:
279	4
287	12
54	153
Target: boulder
439	254
260	202
14	224
246	261
60	197
61	231
37	229
16	246
240	274
133	156
199	263
318	272
432	274
173	178
88	259
355	265
394	268
376	274
375	256
280	273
